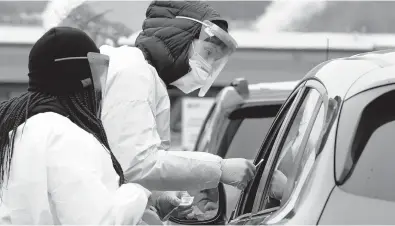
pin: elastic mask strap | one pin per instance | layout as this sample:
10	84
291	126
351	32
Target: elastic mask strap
189	18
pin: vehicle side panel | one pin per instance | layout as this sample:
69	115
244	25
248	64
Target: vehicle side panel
348	209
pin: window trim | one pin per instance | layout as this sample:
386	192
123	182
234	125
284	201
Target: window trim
286	107
274	153
306	137
323	100
290	204
340	179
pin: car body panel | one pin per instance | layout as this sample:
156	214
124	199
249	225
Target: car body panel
338	84
375	78
344	208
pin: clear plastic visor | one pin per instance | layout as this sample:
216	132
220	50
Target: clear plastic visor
214	46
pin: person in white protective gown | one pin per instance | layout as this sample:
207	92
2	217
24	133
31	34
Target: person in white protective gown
56	165
182	44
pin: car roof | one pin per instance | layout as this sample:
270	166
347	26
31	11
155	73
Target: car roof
346	77
276	91
237	96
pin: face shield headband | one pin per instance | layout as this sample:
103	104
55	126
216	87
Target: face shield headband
98	64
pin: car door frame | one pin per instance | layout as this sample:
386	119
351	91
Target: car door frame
287	106
220	218
322	100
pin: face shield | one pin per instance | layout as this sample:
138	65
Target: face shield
210	52
98	64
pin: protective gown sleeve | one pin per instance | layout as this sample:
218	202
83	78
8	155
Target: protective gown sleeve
75	172
132	132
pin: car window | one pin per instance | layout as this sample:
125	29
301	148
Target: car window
244	204
248	138
245	144
289	155
244	128
364	158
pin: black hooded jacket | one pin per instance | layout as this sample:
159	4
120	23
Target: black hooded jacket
165	39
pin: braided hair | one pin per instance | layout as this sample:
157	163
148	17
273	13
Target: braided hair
78	106
81	108
12	114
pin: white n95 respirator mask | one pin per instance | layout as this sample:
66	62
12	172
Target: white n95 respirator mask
196	78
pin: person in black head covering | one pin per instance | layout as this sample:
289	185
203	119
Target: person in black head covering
183	44
56	163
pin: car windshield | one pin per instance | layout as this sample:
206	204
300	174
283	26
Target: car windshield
365	142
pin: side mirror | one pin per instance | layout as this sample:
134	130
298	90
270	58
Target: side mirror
209	207
241	85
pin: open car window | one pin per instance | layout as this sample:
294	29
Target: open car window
244	205
245	127
279	180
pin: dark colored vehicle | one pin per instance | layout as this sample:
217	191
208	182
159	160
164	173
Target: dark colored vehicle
332	141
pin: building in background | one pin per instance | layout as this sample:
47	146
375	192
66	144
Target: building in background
15	45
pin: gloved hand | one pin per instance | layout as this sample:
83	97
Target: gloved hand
211	206
167	204
237	172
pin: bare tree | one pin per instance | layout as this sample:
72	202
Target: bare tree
95	24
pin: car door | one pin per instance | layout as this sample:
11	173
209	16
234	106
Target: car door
243	210
290	154
247	125
241	122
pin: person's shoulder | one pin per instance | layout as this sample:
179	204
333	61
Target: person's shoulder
127	60
58	125
124	56
48	120
129	75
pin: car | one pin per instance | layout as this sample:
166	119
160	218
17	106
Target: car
239	110
332	142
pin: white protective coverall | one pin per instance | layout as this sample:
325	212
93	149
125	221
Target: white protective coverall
136	117
61	174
